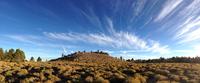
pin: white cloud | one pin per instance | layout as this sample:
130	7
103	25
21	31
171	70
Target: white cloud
168	8
189	31
187	28
192	36
139	5
110	25
25	38
191	10
156	47
91	16
36	41
123	40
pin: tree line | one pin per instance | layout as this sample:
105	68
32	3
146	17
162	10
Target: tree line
38	59
168	60
12	55
98	52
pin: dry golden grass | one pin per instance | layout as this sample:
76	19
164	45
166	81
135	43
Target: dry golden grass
88	72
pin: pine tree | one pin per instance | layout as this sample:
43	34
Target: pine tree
5	55
39	59
121	58
132	59
32	59
18	55
12	55
9	55
1	54
22	54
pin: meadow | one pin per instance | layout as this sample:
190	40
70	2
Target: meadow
88	72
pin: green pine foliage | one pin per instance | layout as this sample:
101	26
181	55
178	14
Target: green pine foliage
32	59
39	59
12	55
1	53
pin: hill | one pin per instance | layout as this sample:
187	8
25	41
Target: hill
87	57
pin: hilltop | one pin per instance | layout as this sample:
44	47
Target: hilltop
97	57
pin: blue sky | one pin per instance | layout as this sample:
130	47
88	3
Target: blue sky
137	29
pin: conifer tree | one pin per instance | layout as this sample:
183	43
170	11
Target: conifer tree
18	55
32	59
39	59
1	53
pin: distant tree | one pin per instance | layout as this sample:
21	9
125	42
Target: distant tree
32	59
5	55
63	54
9	55
162	59
121	58
12	55
128	60
1	53
39	59
132	59
18	55
101	52
22	54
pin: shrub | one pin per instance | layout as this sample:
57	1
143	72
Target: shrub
89	79
140	77
66	74
119	76
2	78
162	72
36	74
174	77
42	77
129	72
106	81
132	80
48	72
48	81
193	81
54	78
163	81
148	73
22	72
8	73
99	80
159	77
183	79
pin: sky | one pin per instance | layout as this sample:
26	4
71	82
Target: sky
140	29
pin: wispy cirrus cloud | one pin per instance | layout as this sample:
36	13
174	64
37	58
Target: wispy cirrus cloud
25	38
113	38
139	6
189	31
184	26
36	41
91	17
190	36
168	8
123	40
191	10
